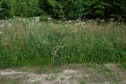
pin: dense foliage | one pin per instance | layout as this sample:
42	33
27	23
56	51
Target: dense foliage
69	9
5	10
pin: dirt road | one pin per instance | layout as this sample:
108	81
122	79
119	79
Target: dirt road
66	74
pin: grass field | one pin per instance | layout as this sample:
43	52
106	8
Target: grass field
31	43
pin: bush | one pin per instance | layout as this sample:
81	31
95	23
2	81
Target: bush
73	9
5	9
54	8
123	9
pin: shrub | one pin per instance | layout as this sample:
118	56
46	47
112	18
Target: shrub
5	9
54	8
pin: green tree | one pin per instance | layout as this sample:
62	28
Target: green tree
95	8
123	7
19	8
52	8
70	9
114	10
33	8
73	9
26	8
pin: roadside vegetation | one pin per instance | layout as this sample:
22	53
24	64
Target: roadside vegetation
62	41
26	42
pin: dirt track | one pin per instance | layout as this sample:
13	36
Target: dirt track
67	74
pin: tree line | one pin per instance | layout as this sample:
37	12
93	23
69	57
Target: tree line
69	9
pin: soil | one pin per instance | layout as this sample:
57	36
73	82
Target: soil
66	74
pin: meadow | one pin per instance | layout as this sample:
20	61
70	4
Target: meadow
27	42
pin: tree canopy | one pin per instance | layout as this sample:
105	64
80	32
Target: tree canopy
69	9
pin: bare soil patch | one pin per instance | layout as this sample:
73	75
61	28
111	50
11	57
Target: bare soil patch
66	74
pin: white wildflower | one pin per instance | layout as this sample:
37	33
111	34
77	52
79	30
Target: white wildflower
36	19
87	76
23	19
9	25
84	23
49	18
0	32
112	19
77	24
2	25
78	20
63	18
69	21
90	20
73	20
66	25
102	20
9	20
59	21
95	22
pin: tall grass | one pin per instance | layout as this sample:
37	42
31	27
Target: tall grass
29	43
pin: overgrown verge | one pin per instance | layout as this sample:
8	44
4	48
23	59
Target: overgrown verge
28	43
